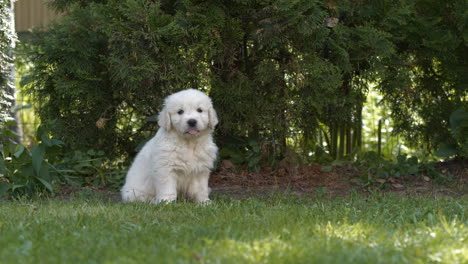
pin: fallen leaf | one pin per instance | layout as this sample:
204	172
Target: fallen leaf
101	122
427	178
398	186
227	164
197	256
381	181
331	22
281	172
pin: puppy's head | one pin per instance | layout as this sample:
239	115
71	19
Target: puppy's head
189	112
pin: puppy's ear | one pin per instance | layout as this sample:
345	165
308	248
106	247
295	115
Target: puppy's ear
164	119
213	118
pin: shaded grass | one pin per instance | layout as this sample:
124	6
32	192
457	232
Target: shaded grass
277	229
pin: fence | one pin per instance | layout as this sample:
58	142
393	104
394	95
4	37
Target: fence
31	13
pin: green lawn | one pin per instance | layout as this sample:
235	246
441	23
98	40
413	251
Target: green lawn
277	229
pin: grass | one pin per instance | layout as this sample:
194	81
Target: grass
278	229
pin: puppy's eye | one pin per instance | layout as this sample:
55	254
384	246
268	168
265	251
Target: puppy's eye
180	112
199	110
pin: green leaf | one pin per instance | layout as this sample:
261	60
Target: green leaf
153	118
4	187
382	174
20	151
234	155
413	160
9	147
9	133
457	117
21	107
256	148
446	151
44	172
37	158
237	158
413	169
253	162
3	169
401	158
26	79
17	186
56	142
46	140
46	184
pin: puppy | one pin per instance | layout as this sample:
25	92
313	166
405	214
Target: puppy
179	158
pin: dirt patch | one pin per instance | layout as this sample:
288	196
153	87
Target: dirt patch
308	180
339	181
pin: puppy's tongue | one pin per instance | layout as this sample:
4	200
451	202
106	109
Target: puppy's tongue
193	132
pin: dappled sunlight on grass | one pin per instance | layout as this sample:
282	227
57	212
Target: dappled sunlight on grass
276	229
441	242
254	251
352	233
299	243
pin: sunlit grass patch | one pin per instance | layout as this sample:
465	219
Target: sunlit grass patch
276	229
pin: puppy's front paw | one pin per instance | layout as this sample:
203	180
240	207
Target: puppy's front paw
165	200
205	202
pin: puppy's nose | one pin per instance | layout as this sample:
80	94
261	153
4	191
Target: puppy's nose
192	122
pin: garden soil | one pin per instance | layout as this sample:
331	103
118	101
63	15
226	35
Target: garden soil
311	181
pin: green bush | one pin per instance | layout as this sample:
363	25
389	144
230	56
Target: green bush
292	72
24	171
457	144
49	163
427	81
104	68
242	152
375	167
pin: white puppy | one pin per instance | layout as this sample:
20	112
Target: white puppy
179	159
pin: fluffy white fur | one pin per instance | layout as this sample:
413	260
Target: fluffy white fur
179	159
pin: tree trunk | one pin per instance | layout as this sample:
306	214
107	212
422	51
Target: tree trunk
333	139
379	138
7	69
359	129
348	140
341	148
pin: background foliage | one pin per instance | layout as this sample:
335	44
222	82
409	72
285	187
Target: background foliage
286	74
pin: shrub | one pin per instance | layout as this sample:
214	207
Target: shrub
40	169
292	72
375	168
457	144
269	67
24	171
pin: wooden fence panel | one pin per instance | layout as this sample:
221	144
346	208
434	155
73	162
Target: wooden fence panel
31	13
